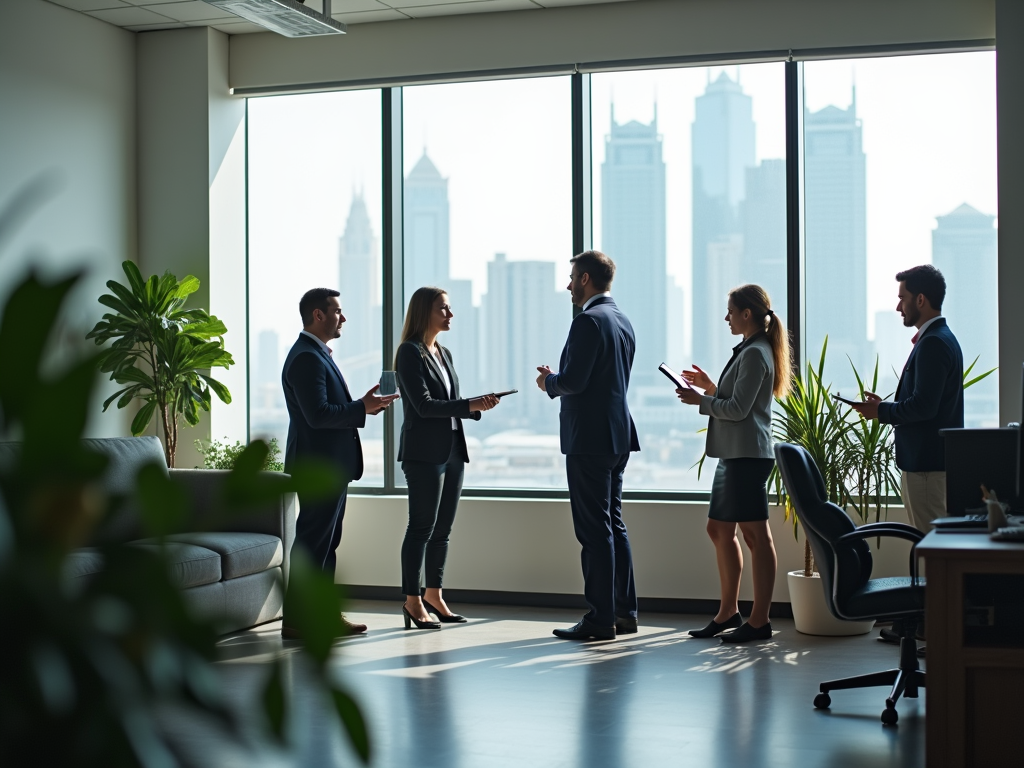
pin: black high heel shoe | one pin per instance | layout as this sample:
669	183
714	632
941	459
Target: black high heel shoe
713	628
410	620
452	619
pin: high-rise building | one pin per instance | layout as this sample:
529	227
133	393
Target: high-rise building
964	250
722	144
526	321
463	340
360	284
763	214
268	358
633	234
426	221
835	236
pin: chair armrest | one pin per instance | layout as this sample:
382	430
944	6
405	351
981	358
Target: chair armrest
889	530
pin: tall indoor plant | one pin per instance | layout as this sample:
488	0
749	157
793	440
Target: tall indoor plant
161	351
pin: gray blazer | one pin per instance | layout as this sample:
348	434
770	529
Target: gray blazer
741	409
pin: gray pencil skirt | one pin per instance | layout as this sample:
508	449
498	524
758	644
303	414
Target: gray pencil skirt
739	493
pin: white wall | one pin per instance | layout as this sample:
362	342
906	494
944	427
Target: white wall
594	33
521	545
67	110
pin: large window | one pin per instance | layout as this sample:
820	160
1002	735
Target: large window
900	170
687	191
315	221
689	198
488	217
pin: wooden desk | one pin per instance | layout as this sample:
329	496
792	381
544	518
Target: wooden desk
975	656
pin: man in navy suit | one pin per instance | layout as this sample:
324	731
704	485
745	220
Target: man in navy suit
597	434
322	423
930	396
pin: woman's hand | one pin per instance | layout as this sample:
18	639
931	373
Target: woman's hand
688	396
484	403
699	379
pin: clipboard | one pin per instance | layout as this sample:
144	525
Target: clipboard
671	375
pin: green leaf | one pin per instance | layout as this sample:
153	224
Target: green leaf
275	703
219	389
188	285
135	279
313	607
352	718
163	503
113	397
143	417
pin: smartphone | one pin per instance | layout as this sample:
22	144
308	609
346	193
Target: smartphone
671	375
835	396
388	383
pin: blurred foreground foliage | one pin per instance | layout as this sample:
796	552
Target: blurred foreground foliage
92	668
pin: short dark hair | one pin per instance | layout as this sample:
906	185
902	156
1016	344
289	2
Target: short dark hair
314	298
596	264
925	279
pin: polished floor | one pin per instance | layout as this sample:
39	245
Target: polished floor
502	691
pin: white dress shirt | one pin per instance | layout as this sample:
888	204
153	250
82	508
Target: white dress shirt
594	298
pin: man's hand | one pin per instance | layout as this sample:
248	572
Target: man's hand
544	373
374	404
688	396
869	408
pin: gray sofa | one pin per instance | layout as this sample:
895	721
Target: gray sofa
234	575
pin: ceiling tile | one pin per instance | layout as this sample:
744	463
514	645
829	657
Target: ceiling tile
194	10
155	2
557	3
339	7
367	17
124	17
423	8
154	27
89	5
238	28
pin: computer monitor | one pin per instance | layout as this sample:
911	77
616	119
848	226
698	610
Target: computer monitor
1019	500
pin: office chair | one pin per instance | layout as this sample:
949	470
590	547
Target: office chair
844	564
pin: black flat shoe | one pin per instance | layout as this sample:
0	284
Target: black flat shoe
626	625
452	618
584	631
409	620
745	633
713	627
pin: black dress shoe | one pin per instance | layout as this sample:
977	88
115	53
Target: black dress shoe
745	633
451	618
713	627
585	630
625	625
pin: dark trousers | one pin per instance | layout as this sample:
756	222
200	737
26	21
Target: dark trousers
318	529
595	494
434	491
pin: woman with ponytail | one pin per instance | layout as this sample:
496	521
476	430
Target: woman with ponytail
740	437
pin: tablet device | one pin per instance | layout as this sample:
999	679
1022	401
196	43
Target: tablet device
679	382
835	396
506	392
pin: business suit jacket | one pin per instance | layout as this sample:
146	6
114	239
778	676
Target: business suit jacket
741	408
592	380
930	397
427	407
323	419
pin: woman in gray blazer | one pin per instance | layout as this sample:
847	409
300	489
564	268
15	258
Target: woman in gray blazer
432	449
740	437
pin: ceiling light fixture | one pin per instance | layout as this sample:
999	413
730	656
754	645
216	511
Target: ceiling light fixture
286	17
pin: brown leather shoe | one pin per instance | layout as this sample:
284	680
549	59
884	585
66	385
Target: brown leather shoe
348	628
352	628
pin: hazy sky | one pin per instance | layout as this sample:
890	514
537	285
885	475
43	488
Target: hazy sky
929	135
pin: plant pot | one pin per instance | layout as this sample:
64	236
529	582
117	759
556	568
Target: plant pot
810	611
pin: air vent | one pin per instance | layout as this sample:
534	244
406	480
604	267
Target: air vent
286	17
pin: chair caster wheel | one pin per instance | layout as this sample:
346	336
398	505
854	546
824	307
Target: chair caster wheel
889	717
822	701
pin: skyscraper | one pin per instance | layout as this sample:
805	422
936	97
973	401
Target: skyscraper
835	233
426	221
763	215
633	234
526	320
360	284
964	250
722	144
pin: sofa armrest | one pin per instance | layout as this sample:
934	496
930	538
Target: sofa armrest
276	518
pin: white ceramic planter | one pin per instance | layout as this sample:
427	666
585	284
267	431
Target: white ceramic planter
810	612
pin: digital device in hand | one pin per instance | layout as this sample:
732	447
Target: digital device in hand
388	383
506	392
674	378
835	396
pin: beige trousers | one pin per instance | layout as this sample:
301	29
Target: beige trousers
924	495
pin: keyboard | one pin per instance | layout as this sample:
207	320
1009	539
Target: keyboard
965	521
1010	533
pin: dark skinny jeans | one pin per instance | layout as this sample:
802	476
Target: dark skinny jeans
434	491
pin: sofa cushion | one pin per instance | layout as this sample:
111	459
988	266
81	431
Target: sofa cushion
126	456
240	553
191	566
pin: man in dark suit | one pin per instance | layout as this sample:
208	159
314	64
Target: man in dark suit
322	423
930	396
597	434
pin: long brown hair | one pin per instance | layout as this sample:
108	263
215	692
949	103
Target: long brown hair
417	315
755	298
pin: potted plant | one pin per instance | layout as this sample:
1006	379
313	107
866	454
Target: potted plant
161	351
810	418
